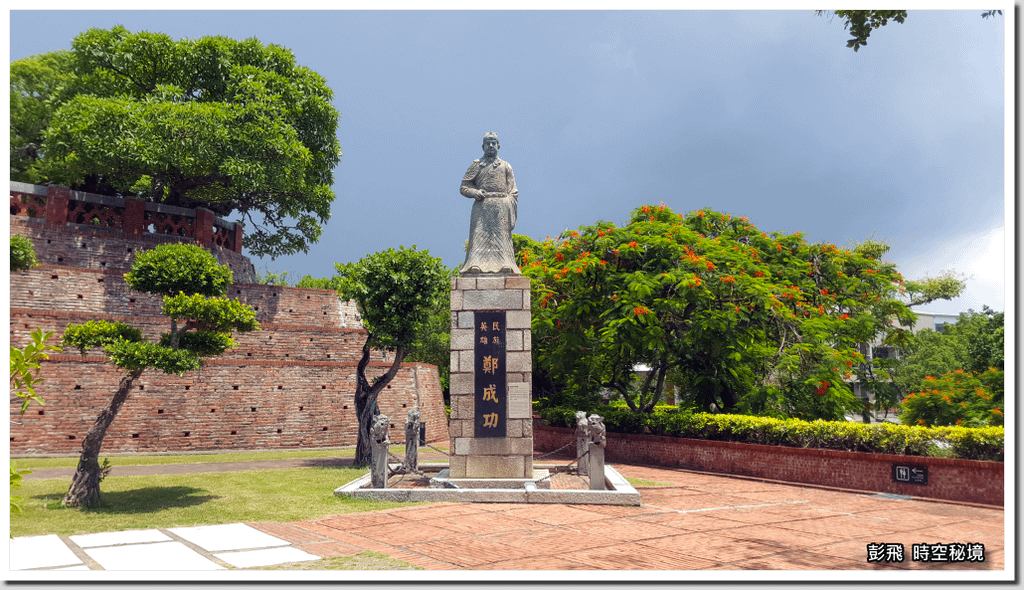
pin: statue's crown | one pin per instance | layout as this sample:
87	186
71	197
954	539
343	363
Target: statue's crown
490	134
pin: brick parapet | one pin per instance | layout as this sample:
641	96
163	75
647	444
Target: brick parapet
948	479
107	248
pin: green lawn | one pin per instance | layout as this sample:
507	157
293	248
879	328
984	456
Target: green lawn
646	483
140	502
43	463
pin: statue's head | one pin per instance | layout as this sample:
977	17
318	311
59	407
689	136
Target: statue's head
491	144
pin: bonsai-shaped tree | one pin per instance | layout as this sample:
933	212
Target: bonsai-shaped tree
396	292
192	284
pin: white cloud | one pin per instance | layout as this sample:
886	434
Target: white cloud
978	256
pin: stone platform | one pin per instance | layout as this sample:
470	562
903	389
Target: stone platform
527	491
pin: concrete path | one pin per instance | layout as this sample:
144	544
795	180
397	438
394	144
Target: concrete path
699	521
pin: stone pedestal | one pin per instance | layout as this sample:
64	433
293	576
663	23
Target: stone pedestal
491	426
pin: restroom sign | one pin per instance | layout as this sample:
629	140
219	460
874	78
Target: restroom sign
910	474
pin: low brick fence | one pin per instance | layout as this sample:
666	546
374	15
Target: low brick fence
960	480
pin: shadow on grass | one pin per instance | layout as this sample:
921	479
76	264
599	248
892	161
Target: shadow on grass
142	500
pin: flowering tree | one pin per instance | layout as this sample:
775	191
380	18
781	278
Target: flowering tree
739	318
957	398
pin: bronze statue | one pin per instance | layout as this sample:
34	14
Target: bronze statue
490	182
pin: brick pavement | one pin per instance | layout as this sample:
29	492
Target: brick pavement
700	521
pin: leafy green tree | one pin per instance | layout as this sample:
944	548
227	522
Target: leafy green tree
397	293
739	318
23	255
192	284
974	343
213	122
278	279
35	84
861	22
24	377
432	344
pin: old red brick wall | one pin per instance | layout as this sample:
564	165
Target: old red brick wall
226	405
948	479
102	248
289	385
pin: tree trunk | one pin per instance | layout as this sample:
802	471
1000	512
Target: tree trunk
366	400
85	486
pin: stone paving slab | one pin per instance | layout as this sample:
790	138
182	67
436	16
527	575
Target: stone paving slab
227	537
42	551
167	556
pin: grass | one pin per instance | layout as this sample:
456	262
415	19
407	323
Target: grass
641	482
367	560
45	463
162	501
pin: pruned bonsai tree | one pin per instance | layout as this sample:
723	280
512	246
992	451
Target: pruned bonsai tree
192	284
396	291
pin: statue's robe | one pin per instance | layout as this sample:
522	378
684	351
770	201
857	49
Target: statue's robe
492	220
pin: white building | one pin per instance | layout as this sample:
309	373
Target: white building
926	320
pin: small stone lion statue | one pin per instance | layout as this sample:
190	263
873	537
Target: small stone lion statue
379	430
596	428
582	426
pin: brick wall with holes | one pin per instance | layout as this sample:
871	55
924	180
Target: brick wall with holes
273	341
961	480
304	357
226	405
65	288
103	248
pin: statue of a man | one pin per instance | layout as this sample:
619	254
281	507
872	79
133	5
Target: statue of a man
490	182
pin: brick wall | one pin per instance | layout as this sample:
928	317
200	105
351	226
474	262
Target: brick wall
63	288
948	479
226	405
103	248
298	371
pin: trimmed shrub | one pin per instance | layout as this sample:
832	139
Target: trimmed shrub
983	444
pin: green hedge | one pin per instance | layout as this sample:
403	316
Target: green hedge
982	444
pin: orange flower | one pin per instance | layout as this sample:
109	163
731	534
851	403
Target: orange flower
633	245
929	378
640	310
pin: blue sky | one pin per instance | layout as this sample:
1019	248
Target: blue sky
764	114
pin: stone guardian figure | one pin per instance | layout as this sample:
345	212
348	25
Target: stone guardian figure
489	181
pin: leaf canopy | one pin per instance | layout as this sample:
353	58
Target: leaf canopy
172	269
229	125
